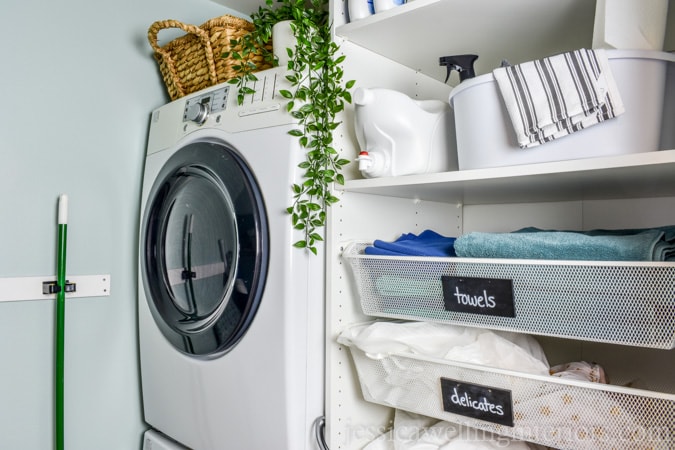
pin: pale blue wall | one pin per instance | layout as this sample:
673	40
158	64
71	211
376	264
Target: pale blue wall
77	84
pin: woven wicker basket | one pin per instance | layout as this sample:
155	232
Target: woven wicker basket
194	61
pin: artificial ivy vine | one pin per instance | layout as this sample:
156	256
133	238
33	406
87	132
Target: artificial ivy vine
317	96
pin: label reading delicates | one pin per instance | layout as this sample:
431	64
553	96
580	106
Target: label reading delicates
478	402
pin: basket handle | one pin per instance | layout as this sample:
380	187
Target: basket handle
203	36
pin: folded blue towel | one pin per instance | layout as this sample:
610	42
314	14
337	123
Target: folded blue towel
428	243
646	244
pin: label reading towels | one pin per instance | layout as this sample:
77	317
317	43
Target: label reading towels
487	296
478	402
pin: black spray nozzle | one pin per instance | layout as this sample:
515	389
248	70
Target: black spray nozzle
461	63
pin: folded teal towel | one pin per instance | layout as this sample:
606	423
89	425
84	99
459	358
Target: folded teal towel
649	244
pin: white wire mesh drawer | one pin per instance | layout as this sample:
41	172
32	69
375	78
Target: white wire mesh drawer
546	410
629	303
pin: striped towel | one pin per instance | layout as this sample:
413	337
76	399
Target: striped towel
555	96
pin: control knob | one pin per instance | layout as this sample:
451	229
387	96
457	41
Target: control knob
197	112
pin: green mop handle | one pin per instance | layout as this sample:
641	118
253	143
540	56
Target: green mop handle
60	317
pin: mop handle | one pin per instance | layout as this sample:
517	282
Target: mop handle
60	319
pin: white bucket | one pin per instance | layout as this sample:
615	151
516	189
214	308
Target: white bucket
485	135
630	24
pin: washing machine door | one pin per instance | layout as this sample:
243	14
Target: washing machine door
204	248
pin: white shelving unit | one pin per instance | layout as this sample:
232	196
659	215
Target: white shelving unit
367	212
627	191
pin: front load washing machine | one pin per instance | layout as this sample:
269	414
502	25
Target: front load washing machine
231	316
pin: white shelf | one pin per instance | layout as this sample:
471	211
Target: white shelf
639	175
418	33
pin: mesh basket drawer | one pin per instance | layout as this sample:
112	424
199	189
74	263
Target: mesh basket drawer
629	303
546	410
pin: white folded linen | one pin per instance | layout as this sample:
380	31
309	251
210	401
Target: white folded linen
500	349
552	97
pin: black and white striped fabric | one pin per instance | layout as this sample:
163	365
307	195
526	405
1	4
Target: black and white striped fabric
555	96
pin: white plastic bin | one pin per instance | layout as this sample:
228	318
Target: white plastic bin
485	136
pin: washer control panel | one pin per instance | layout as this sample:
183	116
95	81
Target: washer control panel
219	105
197	109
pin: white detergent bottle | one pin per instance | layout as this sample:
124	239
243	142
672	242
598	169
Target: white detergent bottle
383	5
358	9
401	136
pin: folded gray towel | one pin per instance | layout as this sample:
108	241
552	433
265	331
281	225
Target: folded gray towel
650	244
552	97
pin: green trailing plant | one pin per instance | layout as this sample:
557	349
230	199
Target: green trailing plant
318	94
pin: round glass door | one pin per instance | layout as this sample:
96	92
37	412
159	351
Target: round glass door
204	249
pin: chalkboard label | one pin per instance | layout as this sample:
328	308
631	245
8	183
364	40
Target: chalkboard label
487	296
478	402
